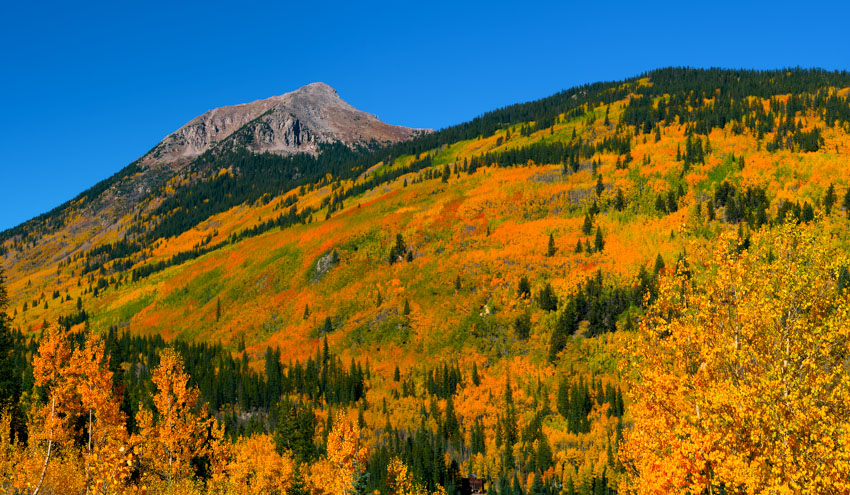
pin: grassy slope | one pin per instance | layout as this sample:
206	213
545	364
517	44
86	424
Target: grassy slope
264	283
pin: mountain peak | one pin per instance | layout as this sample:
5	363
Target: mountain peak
318	87
294	122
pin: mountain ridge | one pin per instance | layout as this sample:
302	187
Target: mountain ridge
294	122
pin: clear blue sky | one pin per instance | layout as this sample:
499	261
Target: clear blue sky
90	86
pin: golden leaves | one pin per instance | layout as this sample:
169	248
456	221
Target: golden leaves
739	380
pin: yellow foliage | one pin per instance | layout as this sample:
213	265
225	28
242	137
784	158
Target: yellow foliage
740	380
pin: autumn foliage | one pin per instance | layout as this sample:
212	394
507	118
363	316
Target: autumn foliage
740	378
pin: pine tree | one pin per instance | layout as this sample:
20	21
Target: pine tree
217	309
578	246
524	288
846	203
829	199
10	384
406	309
600	186
328	327
546	299
563	398
659	264
458	285
450	422
522	326
599	243
619	201
544	454
536	485
551	249
297	486
587	227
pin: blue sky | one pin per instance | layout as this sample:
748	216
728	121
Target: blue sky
90	86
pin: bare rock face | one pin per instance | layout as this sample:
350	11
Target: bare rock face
295	122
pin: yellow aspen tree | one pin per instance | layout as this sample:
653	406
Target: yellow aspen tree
168	443
257	468
106	452
346	459
401	482
739	374
11	452
50	424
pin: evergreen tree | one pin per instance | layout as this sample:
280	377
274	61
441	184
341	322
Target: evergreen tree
659	264
477	438
360	481
587	227
599	243
600	186
551	249
846	203
524	288
328	327
522	326
829	199
619	201
546	299
450	423
399	249
807	216
476	380
10	386
563	398
297	485
557	342
544	453
536	485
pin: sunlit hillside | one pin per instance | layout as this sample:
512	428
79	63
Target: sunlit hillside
522	259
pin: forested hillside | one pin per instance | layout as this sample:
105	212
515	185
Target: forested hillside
597	292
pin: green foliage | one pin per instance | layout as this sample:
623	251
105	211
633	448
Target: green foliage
524	288
522	325
551	249
546	298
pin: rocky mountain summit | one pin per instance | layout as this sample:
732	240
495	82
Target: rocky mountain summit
295	122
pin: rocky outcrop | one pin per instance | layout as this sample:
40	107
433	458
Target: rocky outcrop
295	122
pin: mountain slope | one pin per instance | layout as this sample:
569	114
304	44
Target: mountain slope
301	122
518	248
